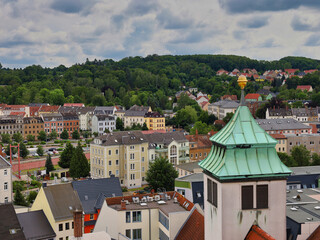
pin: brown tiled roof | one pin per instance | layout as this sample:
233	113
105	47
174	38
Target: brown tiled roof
252	96
193	228
278	136
44	108
315	235
256	233
202	141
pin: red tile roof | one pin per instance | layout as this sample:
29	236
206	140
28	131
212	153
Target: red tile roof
256	233
202	141
311	71
220	122
44	108
73	105
291	71
278	136
252	96
153	131
17	114
193	229
231	97
304	87
33	111
315	235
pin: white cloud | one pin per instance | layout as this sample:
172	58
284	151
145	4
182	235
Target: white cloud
57	32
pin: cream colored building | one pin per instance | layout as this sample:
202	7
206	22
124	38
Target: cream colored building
135	115
122	154
282	142
85	118
145	219
5	181
58	203
221	108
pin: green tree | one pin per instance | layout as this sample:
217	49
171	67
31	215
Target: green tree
23	150
79	165
64	134
7	150
144	127
32	196
161	174
66	155
228	117
301	155
106	130
119	124
49	166
53	135
287	159
6	138
315	159
95	134
202	128
17	137
40	151
31	138
75	134
19	199
42	136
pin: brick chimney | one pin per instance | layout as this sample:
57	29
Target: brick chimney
123	205
77	218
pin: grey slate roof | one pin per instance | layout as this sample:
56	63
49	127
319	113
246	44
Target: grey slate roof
4	163
70	116
9	221
305	170
281	124
123	137
280	112
104	110
92	192
226	104
102	117
35	225
50	116
60	198
189	166
84	110
301	112
64	109
129	113
165	138
194	177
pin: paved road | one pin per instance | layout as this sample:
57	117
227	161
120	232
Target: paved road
36	163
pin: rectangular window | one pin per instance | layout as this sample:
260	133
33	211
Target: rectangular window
132	176
72	225
247	197
117	162
131	156
117	151
142	159
91	216
136	234
142	149
136	216
132	166
67	226
60	227
262	196
5	186
117	172
128	218
5	172
212	193
109	152
128	233
110	163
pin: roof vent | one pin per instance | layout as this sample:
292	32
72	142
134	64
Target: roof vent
293	209
116	140
86	197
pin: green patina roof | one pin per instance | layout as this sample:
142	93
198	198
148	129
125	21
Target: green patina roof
242	149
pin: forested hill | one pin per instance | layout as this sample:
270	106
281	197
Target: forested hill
133	80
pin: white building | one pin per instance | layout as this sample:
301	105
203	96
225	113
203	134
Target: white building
222	107
85	115
102	122
6	181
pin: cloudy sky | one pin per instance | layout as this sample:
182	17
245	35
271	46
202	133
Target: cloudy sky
54	32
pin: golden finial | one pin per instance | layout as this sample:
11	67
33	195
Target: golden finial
242	81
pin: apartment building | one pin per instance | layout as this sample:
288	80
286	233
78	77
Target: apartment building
310	141
11	124
170	145
222	107
85	115
102	122
199	146
281	142
53	121
32	126
6	181
47	109
155	121
59	202
299	114
70	122
145	216
135	115
123	154
109	110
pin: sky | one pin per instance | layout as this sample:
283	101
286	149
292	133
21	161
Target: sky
54	32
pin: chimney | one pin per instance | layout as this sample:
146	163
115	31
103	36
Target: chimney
123	205
77	219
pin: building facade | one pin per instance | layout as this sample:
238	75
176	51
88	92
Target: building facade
32	126
155	121
53	121
6	181
85	115
199	146
11	125
123	154
221	108
103	122
70	122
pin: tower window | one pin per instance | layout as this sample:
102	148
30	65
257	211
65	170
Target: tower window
247	197
212	193
262	196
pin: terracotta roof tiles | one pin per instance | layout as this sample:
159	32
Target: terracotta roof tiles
193	229
256	233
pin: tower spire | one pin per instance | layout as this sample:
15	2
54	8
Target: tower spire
242	82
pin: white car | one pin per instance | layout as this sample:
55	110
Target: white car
35	154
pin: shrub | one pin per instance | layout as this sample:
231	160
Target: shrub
43	142
32	196
124	189
56	141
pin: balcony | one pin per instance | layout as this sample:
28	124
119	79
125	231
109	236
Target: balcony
184	148
161	149
183	158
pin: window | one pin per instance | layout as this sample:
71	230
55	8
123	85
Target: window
6	200
91	216
117	151
110	163
117	162
72	225
136	216
142	159
142	149
247	197
67	226
212	193
131	156
132	176
60	227
117	172
136	234
142	169
131	147
109	152
128	218
163	220
110	173
5	172
262	196
132	166
128	233
5	186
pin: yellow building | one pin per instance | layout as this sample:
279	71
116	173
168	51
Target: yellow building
58	203
122	154
155	121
